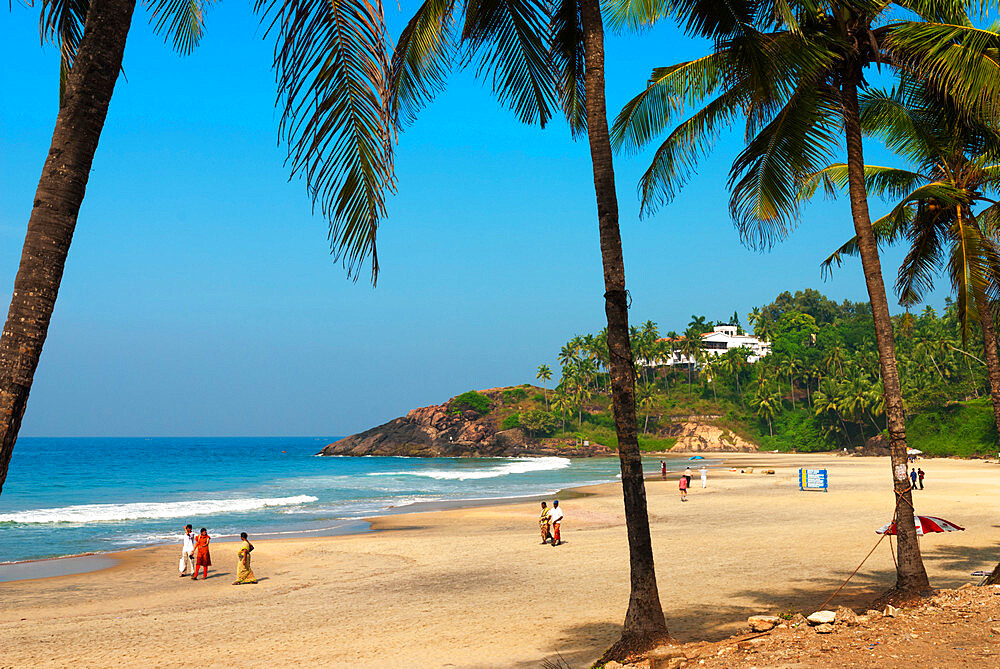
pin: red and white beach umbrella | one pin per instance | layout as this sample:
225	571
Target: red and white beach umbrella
925	525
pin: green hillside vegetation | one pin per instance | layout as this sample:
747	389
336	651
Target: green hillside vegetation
819	389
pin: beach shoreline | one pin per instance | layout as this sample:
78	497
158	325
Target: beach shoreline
80	563
473	588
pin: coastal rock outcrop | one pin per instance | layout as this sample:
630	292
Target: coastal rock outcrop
442	431
696	436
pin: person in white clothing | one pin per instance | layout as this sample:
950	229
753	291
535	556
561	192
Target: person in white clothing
704	477
556	517
187	551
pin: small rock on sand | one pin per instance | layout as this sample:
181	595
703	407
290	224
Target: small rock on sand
613	665
822	618
891	611
846	616
763	623
825	628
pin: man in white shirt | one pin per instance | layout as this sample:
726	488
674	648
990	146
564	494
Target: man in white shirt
187	551
556	517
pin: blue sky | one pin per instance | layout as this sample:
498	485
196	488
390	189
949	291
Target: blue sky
200	297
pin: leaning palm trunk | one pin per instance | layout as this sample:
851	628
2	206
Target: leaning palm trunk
644	622
910	573
57	202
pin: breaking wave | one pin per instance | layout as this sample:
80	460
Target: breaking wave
96	513
514	466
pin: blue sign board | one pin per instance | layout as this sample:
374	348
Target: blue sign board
813	479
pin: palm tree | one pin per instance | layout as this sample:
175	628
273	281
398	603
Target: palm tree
562	402
791	367
568	355
956	160
544	374
645	400
332	72
792	70
767	405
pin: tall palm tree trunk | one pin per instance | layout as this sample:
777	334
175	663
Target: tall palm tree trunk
910	573
990	350
57	202
644	622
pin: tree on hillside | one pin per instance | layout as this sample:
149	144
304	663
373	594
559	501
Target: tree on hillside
956	167
544	375
766	403
645	400
331	72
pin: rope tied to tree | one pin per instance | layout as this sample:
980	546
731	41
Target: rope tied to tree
835	592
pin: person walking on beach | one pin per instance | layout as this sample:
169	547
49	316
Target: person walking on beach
920	477
556	515
202	558
663	470
187	551
704	476
682	485
545	524
913	478
243	572
687	475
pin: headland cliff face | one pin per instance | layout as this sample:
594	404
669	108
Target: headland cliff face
442	430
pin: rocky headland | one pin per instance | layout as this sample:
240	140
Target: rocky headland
454	429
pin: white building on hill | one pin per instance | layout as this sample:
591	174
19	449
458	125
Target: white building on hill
721	339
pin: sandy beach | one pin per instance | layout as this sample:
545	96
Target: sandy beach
474	588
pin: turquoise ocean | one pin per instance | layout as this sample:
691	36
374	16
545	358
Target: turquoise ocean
67	496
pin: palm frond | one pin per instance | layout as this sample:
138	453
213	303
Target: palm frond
61	23
887	230
961	60
179	21
507	38
333	73
635	14
421	60
567	60
922	262
668	91
676	158
896	118
766	177
884	182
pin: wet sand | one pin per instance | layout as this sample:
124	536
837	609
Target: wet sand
472	587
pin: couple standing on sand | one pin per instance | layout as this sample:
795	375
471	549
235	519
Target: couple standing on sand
549	523
195	549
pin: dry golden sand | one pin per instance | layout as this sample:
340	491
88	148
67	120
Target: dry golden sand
473	588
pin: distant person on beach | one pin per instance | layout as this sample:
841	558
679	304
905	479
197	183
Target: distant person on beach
704	476
243	572
663	470
187	551
682	484
556	515
913	478
202	558
920	477
687	475
545	524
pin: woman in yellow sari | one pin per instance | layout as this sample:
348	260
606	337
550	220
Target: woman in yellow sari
544	524
243	572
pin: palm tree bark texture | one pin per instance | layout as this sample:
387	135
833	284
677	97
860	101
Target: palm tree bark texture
644	623
60	192
910	573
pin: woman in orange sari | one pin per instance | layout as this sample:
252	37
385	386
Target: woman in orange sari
202	557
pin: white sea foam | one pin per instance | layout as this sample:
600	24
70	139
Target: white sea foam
95	513
514	466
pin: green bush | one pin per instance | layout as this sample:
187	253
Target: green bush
511	421
538	397
513	395
796	431
539	423
962	429
471	401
